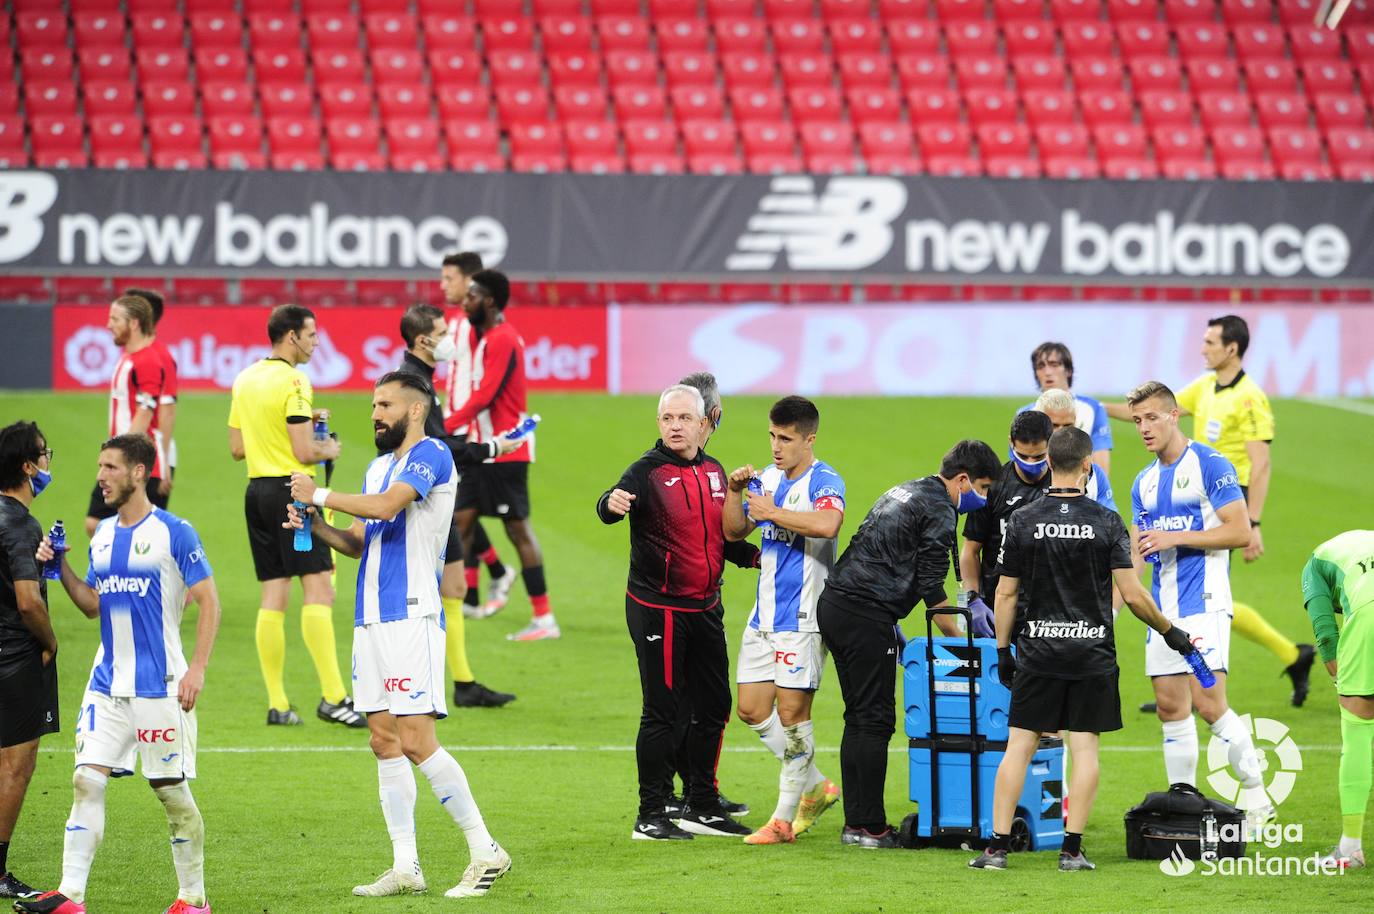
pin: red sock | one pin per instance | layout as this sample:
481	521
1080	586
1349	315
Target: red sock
470	576
490	557
541	605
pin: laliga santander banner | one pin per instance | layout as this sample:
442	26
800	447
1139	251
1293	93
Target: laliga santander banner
565	348
981	349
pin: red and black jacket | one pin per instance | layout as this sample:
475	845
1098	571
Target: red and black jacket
677	543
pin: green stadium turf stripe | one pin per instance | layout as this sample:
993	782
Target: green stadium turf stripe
1347	405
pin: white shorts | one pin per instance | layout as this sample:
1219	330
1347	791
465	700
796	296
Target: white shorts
110	730
789	660
399	667
1211	633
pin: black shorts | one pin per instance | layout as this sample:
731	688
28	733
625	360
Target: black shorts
496	490
453	551
99	510
274	552
1044	704
28	696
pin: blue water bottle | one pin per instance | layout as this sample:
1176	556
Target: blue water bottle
754	486
57	536
1204	675
322	427
526	426
1143	523
303	541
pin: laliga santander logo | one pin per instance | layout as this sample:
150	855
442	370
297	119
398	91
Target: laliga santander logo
1269	736
1176	864
91	356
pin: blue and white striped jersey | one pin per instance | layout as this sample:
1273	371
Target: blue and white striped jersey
403	558
793	568
1090	416
1099	488
1186	495
142	574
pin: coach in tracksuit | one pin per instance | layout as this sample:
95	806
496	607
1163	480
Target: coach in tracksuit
898	557
673	496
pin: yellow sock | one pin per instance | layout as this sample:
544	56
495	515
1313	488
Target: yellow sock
317	629
1251	626
457	640
271	638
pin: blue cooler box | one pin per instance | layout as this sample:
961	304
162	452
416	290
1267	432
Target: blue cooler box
956	668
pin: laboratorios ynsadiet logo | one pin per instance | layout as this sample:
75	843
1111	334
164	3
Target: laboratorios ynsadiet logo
1272	739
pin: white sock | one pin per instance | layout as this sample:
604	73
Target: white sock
1180	751
85	828
450	785
188	841
1349	846
1245	761
772	735
797	762
396	790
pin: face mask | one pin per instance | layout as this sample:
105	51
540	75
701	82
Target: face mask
39	482
970	500
1033	469
444	349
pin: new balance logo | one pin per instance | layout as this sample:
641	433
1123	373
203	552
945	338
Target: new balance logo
847	226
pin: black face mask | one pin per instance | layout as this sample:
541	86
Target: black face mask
388	439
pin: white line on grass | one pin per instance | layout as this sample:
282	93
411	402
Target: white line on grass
1344	404
266	750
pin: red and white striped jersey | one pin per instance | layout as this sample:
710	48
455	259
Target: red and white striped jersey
459	383
139	382
495	396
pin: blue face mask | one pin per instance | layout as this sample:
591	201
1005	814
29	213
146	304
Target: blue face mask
1033	469
970	500
40	482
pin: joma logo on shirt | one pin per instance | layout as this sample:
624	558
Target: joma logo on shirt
1065	531
123	584
899	494
1038	629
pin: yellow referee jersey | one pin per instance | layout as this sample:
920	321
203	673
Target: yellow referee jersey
266	394
1227	417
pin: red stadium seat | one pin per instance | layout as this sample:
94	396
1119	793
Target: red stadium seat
1246	170
684	34
272	31
575	69
933	106
1046	107
631	68
802	35
1298	12
971	38
895	165
623	33
862	35
597	164
1015	11
812	103
573	103
1029	37
412	136
1220	74
1139	168
463	101
280	65
116	139
397	65
221	65
715	164
1294	145
1073	168
865	71
1120	141
1009	140
9	100
658	164
346	99
1155	73
826	138
157	30
329	30
46	63
738	34
445	31
1179	141
1238	144
1297	170
455	67
174	134
514	33
1239	12
959	10
697	103
1360	40
398	100
515	68
773	10
872	104
717	9
953	166
689	68
1161	107
648	103
536	139
1258	41
334	65
41	29
1270	75
516	104
743	70
1096	73
1180	12
1326	76
800	70
106	97
293	100
912	36
162	63
592	138
160	98
990	106
980	72
1143	39
1348	146
1313	44
566	33
709	137
1011	166
760	138
296	142
1039	72
1205	40
892	138
105	63
895	10
1340	110
755	104
216	30
1219	109
97	30
353	134
943	140
774	164
1132	10
473	137
1281	109
1106	107
54	99
236	136
1063	140
644	138
1087	38
923	72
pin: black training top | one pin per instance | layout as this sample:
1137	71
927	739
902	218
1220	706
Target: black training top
988	524
20	534
1064	549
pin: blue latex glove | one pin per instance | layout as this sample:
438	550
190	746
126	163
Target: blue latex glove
983	626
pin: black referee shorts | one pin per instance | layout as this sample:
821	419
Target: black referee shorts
453	551
99	510
274	552
496	490
1045	704
28	697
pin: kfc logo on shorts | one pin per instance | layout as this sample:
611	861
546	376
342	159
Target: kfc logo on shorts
396	685
167	735
786	658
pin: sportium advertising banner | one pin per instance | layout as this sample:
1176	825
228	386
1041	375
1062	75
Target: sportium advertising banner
601	227
565	348
980	350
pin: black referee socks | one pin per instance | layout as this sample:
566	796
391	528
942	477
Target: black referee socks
1073	844
999	843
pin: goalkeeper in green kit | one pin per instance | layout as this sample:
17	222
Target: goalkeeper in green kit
1339	578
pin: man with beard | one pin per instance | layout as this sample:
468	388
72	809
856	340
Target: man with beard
401	523
496	402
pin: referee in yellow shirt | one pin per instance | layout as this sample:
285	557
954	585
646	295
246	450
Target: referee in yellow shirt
270	427
1232	414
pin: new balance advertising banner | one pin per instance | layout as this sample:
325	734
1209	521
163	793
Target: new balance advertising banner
565	348
604	227
974	350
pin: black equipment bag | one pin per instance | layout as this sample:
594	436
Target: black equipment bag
1182	817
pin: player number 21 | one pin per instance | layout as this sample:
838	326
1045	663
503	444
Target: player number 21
88	713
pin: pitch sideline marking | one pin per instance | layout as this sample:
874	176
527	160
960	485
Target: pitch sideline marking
1342	403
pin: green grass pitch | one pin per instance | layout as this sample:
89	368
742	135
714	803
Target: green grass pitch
292	816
